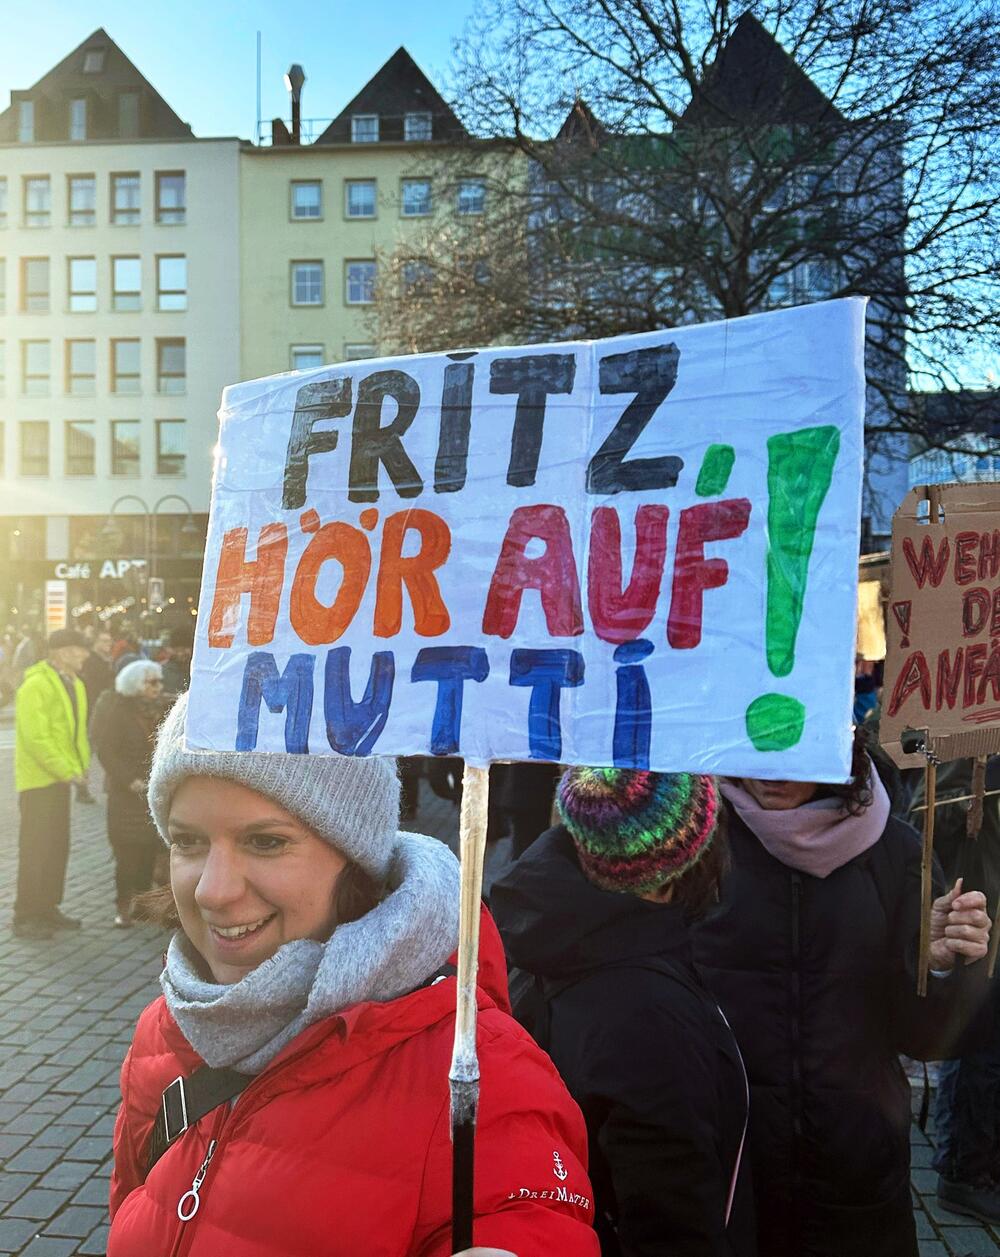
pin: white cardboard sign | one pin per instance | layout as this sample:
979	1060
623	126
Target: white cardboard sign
639	551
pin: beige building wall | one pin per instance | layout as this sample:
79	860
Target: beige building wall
209	326
272	241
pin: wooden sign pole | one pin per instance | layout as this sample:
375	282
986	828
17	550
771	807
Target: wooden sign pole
926	870
463	1077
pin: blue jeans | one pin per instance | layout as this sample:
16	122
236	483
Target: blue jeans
967	1111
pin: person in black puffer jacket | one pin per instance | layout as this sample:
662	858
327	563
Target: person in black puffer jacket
598	910
123	730
812	955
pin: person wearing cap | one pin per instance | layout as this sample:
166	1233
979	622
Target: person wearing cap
812	956
311	971
51	753
599	910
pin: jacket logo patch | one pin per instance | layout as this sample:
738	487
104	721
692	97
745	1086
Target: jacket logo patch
560	1171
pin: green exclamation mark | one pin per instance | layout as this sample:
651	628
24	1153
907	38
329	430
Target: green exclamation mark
799	472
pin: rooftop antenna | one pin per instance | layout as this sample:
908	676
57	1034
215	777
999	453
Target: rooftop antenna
257	131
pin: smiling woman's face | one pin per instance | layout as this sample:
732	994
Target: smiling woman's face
247	876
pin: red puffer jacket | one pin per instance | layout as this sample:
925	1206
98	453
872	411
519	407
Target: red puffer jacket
341	1147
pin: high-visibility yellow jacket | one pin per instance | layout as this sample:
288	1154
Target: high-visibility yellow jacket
47	748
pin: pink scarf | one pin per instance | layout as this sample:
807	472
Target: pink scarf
817	837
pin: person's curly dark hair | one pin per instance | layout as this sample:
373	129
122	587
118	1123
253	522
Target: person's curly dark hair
856	794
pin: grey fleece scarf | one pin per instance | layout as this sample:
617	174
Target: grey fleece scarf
386	953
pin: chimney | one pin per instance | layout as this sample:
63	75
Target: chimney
294	79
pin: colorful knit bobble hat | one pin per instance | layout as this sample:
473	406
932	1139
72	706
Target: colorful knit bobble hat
635	831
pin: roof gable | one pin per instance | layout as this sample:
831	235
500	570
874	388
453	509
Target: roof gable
754	79
398	88
98	72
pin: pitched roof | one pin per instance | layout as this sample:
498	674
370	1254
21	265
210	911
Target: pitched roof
398	88
754	79
582	124
101	84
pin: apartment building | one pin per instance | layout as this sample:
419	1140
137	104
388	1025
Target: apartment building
119	327
315	215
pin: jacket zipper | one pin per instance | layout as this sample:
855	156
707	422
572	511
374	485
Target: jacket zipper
796	1027
222	1126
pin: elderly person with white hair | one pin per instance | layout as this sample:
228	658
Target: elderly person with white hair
122	733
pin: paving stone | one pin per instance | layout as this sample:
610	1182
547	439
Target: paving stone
15	1233
39	1202
58	1135
11	1145
93	1192
13	1185
78	1220
924	1180
49	1246
921	1155
974	1240
68	1175
33	1160
96	1243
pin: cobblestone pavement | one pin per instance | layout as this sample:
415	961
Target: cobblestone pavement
67	1009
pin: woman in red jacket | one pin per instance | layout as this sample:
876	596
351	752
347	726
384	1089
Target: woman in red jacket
307	972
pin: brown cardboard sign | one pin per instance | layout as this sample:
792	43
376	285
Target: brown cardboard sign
942	671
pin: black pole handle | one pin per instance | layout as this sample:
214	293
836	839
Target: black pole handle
462	1167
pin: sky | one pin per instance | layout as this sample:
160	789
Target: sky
201	55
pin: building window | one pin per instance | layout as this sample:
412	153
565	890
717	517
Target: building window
80	444
359	198
171	282
35	368
126	376
417	126
364	128
35	285
93	61
170	452
82	285
171	366
354	351
81	367
171	196
26	122
416	201
307	199
125	200
124	447
3	200
360	285
126	283
128	115
37	201
82	197
304	357
34	447
418	276
307	283
471	196
78	119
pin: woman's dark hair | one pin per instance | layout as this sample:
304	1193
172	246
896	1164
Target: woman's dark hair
355	894
855	795
697	890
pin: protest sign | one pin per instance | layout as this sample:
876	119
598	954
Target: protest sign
639	551
942	671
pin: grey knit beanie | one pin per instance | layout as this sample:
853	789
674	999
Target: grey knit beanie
352	802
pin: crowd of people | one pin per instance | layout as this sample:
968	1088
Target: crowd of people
693	996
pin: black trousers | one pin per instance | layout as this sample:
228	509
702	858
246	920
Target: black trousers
134	860
43	850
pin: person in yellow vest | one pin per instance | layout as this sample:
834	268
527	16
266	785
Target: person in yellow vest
51	753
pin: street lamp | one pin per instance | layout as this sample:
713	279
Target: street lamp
294	80
111	536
